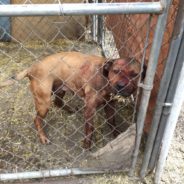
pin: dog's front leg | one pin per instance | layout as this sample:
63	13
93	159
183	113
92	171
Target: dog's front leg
90	109
110	112
38	124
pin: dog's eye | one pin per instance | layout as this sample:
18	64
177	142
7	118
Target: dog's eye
116	71
133	75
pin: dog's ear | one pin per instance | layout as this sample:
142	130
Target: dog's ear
107	67
143	74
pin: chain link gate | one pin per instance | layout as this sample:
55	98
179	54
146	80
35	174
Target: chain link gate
32	39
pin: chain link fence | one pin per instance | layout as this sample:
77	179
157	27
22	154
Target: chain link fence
31	39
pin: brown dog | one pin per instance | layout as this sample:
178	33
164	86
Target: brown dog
91	77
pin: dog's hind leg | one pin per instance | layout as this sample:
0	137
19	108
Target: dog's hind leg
42	96
58	101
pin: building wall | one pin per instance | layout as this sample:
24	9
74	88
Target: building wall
47	28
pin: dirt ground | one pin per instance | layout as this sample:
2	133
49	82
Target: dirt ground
173	171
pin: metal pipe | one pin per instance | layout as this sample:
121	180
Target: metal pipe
171	124
79	9
164	85
100	28
148	82
166	110
94	27
49	173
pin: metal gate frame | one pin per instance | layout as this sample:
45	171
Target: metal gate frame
169	102
161	8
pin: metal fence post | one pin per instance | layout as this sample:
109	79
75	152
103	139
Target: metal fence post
100	28
172	119
147	86
167	110
174	47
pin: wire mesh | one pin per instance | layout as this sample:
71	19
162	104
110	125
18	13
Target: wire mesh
34	38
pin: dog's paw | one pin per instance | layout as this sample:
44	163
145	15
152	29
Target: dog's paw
44	140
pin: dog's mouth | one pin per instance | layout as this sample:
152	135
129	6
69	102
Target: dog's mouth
125	91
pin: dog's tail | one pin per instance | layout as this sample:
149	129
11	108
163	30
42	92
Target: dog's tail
15	78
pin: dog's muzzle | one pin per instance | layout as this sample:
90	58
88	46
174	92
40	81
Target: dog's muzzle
123	89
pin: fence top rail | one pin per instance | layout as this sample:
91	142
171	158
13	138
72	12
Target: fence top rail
80	9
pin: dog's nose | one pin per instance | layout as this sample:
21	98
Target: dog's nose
121	84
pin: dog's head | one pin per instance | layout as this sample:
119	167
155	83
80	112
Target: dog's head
123	75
